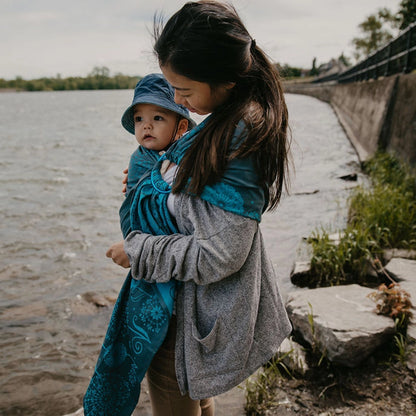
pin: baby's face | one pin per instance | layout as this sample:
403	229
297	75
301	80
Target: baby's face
154	127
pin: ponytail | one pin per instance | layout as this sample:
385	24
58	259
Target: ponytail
207	42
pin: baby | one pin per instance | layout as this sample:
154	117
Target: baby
156	121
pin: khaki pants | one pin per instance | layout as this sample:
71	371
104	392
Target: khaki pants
164	391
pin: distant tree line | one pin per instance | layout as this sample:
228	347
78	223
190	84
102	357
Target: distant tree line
288	72
98	79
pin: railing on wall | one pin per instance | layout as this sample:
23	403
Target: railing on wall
398	56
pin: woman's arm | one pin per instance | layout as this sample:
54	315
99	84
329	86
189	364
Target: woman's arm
217	245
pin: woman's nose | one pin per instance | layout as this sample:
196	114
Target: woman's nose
179	99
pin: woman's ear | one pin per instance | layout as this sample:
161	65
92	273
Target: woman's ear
182	127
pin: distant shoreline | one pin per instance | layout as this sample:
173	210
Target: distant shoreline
51	90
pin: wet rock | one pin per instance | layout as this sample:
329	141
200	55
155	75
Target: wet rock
98	299
293	355
352	177
313	192
79	307
90	303
340	321
301	273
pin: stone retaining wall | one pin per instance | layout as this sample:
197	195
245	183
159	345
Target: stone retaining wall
375	114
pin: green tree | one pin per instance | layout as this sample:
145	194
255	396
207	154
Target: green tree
344	59
314	71
375	32
289	72
100	72
407	13
18	83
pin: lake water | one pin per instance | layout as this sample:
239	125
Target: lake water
62	156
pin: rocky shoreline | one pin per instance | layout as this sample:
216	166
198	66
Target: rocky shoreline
342	323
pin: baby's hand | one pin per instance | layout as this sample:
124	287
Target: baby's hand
124	189
118	255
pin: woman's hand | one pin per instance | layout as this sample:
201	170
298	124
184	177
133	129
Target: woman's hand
118	255
124	189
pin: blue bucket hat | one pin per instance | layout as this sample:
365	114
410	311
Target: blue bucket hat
154	89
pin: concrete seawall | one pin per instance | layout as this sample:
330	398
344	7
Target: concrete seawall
376	115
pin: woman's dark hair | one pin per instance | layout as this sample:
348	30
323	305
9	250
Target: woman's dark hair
206	41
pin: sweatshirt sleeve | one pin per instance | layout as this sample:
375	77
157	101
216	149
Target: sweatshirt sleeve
213	244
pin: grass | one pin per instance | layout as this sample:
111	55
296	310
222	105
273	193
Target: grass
385	168
261	387
388	209
380	216
344	262
387	213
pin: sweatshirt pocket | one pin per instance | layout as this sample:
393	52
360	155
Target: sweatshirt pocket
208	342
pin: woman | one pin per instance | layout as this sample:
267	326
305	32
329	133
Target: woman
229	317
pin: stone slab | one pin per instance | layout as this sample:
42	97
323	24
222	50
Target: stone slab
345	325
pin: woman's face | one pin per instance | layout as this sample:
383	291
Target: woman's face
197	97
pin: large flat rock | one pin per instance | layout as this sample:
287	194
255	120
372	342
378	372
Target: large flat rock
341	321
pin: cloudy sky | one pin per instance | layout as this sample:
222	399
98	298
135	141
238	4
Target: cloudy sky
70	37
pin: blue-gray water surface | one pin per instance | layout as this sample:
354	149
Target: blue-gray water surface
62	156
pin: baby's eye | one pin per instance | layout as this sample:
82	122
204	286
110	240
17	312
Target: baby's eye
158	118
137	119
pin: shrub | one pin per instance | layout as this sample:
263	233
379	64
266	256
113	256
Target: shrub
382	215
